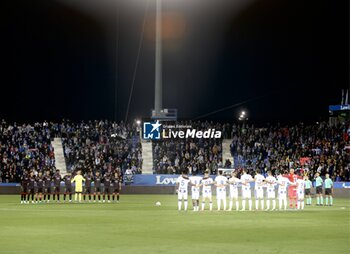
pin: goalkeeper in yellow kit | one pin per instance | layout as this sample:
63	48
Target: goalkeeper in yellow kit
78	179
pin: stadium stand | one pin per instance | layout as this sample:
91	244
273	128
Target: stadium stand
25	146
105	146
197	155
313	148
101	145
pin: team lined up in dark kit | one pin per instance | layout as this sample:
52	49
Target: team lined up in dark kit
39	188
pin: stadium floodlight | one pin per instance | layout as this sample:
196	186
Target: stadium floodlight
158	59
243	116
138	129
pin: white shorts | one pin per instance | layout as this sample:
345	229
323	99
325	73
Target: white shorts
234	194
246	193
182	194
220	194
259	193
282	194
300	194
195	194
270	193
207	194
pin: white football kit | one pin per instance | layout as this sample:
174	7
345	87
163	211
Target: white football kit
221	190
282	187
300	189
195	180
282	191
259	191
246	192
259	186
234	182
270	192
300	193
206	190
183	188
245	180
270	187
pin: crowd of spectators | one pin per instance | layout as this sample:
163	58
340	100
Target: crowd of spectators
170	156
93	146
101	146
307	148
25	146
106	146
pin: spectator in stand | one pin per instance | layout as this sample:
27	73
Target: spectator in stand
102	145
313	148
24	147
195	155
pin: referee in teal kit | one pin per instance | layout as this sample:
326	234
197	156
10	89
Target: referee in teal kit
328	190
319	184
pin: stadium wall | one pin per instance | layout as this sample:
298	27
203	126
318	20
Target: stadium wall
128	189
340	193
160	184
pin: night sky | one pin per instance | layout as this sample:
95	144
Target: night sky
60	58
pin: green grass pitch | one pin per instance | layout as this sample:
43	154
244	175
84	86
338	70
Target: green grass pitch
136	225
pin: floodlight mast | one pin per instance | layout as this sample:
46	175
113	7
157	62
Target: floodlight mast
158	97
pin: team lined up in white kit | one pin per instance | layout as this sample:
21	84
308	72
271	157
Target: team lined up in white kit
221	182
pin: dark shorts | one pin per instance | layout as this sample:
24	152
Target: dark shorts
68	189
319	190
48	190
57	189
31	191
24	190
87	190
116	190
328	191
97	189
106	190
40	190
307	191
